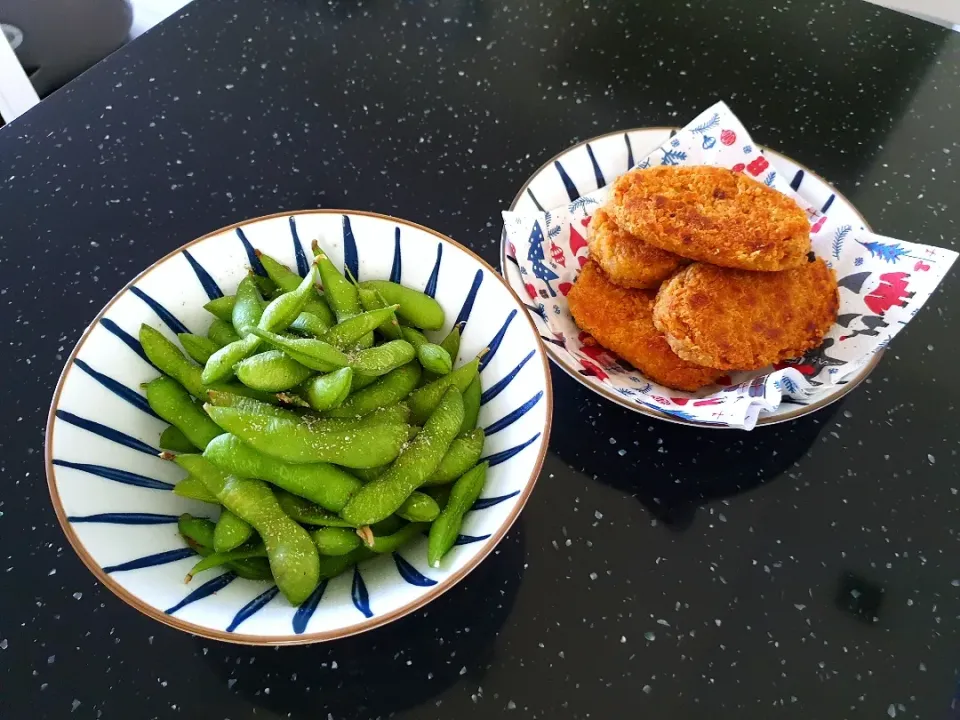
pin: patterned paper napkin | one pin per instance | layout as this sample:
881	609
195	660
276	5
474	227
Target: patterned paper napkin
884	282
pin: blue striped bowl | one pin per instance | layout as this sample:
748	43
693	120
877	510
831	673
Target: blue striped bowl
112	493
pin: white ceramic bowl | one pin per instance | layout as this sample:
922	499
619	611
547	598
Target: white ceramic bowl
112	493
593	163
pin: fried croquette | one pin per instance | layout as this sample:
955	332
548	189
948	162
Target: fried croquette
712	215
626	259
742	320
621	320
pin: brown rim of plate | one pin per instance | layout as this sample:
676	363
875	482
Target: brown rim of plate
292	639
601	388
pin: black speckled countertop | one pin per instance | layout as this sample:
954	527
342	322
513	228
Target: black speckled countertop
804	571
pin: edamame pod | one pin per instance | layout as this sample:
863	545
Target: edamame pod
419	507
227	557
230	532
298	442
173	439
312	353
308	513
423	400
418	461
451	343
350	331
221	364
198	533
463	454
380	360
324	484
417	308
220	398
389	543
267	287
333	565
170	401
222	307
197	347
282	311
340	293
307	323
222	333
471	405
192	489
446	528
287	280
433	358
325	392
335	541
368	474
387	390
248	308
271	371
371	300
169	360
293	557
360	381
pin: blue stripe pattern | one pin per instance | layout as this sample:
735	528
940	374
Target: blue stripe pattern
535	201
120	476
499	386
134	398
161	558
164	314
467	306
359	594
567	182
121	518
252	607
409	573
252	258
350	259
468	539
494	344
128	339
301	618
596	168
797	179
397	269
208	284
828	203
629	151
107	433
431	288
504	455
513	416
484	503
303	265
205	590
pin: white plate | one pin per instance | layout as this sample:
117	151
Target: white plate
112	493
594	163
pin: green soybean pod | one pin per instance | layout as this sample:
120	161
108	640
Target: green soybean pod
439	493
308	513
324	484
287	280
222	307
311	352
198	533
471	405
284	309
418	461
221	364
169	360
293	557
193	489
351	331
222	398
170	401
174	440
335	541
389	543
298	442
417	308
307	323
451	343
446	528
248	308
387	390
333	565
325	392
379	360
419	507
368	474
222	333
271	371
198	348
361	381
267	287
340	293
463	454
227	557
230	532
434	359
425	399
371	300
